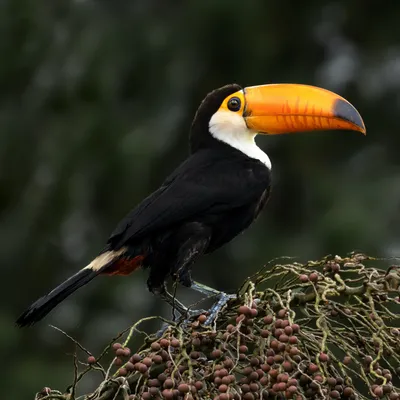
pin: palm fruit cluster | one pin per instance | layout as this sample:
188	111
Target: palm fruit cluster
322	330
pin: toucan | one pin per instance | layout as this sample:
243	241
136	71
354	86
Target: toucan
215	194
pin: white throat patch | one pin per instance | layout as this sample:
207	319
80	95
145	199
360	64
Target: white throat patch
230	128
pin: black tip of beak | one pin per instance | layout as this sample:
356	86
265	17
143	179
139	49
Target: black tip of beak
344	110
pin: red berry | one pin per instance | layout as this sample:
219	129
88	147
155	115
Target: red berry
147	361
164	342
243	349
116	346
174	343
282	313
313	368
169	383
155	346
346	360
284	338
268	319
184	388
202	318
335	394
246	311
288	330
223	388
91	360
379	392
303	278
323	357
313	277
120	352
296	328
118	362
293	340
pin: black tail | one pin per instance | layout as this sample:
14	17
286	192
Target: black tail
45	304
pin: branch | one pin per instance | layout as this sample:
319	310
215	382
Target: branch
326	329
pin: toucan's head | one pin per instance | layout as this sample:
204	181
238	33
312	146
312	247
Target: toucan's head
234	115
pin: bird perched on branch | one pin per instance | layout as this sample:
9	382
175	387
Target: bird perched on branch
212	196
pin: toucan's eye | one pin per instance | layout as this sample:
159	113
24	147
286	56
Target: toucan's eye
234	104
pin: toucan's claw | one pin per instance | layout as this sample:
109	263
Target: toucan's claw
183	318
218	306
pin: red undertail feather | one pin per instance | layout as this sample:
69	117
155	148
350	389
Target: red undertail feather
124	266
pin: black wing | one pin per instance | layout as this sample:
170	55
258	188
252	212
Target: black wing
204	186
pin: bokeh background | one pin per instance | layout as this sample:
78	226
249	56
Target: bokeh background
96	101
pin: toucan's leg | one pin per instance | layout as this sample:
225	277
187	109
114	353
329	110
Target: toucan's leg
204	289
218	306
173	302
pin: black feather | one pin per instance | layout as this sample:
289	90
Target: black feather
40	308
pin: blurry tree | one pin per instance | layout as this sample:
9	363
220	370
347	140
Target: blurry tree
96	103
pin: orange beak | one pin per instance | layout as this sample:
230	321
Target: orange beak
285	108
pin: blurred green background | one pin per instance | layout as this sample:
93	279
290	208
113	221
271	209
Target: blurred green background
97	99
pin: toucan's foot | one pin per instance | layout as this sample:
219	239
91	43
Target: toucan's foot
218	306
222	299
183	318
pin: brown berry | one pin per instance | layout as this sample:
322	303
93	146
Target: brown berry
282	313
164	342
293	340
223	388
157	359
368	360
243	349
136	358
287	366
118	362
246	311
169	383
91	360
313	277
284	338
155	346
116	346
281	386
288	330
168	394
147	361
45	391
264	333
268	319
296	328
142	368
254	387
217	353
120	352
323	357
313	368
331	381
378	392
348	391
175	343
303	278
346	360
